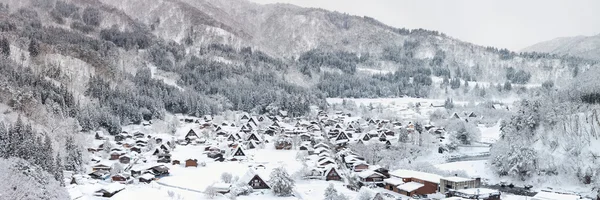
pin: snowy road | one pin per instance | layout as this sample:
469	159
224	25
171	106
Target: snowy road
181	188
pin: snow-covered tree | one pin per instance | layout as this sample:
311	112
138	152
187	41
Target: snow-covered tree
281	183
210	192
462	132
364	195
226	177
240	188
512	154
116	168
28	181
330	193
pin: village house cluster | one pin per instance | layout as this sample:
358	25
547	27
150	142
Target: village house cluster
322	140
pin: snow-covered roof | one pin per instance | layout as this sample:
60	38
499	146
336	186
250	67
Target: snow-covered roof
543	195
402	173
457	179
147	176
410	186
264	174
393	181
74	193
367	173
222	186
113	187
325	159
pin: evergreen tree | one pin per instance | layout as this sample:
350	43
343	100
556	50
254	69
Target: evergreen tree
507	86
14	138
34	48
59	169
3	141
449	104
47	154
74	158
5	47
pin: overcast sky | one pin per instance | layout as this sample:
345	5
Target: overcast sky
512	24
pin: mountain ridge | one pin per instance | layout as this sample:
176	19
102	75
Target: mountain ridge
582	46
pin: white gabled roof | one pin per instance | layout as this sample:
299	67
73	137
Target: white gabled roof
113	187
367	173
394	181
402	173
147	176
264	174
410	186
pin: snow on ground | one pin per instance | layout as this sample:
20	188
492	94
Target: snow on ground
315	189
489	134
201	177
155	192
165	77
477	168
372	71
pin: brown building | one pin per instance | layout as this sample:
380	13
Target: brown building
125	159
191	163
415	182
332	174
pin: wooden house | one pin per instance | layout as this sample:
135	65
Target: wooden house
341	137
99	135
125	159
136	149
191	135
191	163
110	190
332	174
159	170
146	178
122	178
370	177
115	155
360	166
238	153
99	175
101	166
416	183
175	162
305	137
256	179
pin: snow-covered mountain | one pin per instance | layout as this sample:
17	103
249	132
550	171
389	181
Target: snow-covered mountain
287	31
581	46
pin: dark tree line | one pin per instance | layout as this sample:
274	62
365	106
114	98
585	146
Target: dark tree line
316	58
517	76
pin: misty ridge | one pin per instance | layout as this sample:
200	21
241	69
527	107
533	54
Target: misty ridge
262	86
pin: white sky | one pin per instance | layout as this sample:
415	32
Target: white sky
512	24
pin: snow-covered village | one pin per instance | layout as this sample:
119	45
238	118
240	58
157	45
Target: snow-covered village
417	149
299	100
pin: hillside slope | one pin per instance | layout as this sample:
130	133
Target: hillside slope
582	46
288	31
